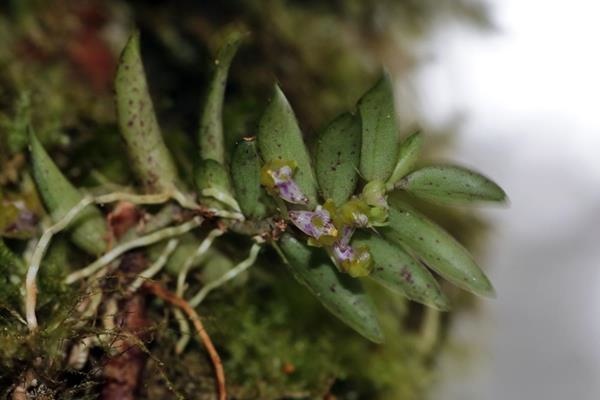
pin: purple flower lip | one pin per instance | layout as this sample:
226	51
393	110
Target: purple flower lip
342	252
290	192
316	224
277	175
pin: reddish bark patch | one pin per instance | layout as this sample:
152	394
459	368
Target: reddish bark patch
122	218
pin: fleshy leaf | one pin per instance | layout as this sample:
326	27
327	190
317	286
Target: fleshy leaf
342	295
437	249
407	157
451	185
399	272
150	157
210	134
379	148
88	230
337	158
245	174
280	138
211	176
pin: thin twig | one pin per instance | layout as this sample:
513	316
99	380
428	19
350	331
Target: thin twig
172	298
229	275
142	241
155	268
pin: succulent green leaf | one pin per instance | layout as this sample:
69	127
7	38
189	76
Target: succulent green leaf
245	174
451	185
210	174
434	246
337	158
279	138
150	157
379	148
88	230
396	270
210	134
343	296
407	157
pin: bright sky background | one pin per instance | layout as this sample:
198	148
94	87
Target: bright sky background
530	94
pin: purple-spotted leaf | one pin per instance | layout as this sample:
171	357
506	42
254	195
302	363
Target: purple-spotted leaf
398	271
245	174
337	157
407	157
342	295
279	138
436	248
150	157
88	231
213	184
451	185
210	134
379	148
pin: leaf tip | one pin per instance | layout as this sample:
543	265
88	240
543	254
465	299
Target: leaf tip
483	288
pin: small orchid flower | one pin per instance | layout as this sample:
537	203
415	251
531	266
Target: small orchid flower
276	176
316	224
355	212
356	261
374	195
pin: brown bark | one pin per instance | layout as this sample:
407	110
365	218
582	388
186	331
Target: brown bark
122	372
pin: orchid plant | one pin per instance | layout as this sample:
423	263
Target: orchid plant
328	214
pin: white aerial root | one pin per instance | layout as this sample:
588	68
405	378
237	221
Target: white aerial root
42	245
95	297
223	197
200	251
155	268
184	329
184	326
142	241
80	351
197	299
36	259
229	275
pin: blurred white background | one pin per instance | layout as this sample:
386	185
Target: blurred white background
530	94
